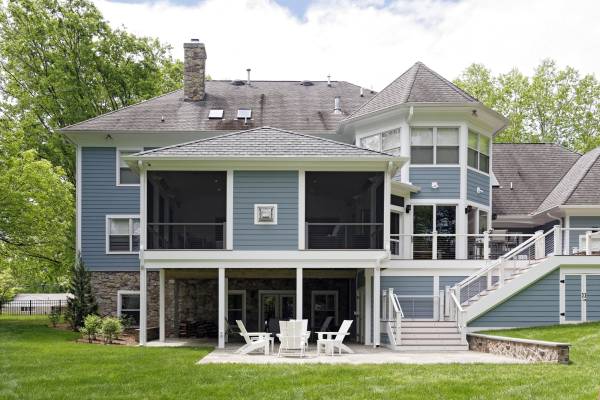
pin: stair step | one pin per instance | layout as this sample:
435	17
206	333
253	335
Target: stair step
427	324
443	329
429	342
409	348
430	335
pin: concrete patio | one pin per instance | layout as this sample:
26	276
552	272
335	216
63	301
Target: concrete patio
362	355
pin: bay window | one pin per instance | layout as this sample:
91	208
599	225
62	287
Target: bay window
388	141
479	152
434	145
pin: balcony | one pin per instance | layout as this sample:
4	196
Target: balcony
186	236
486	246
339	236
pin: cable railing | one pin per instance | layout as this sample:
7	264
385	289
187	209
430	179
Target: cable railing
442	246
579	241
344	236
186	235
530	252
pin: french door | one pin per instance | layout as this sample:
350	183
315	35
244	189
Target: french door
275	306
581	300
434	227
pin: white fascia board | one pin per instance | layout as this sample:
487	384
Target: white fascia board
156	259
405	187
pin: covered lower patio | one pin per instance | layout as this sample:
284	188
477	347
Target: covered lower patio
202	305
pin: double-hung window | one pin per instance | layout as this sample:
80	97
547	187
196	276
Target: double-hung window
388	141
434	145
125	175
128	306
122	234
479	152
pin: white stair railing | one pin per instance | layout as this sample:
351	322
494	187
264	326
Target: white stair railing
457	313
496	274
392	316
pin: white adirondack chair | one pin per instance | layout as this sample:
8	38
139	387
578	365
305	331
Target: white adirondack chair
293	338
255	341
330	341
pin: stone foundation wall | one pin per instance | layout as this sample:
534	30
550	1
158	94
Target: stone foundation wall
530	350
106	285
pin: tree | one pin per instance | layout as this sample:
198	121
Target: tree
36	216
8	286
553	105
82	303
61	63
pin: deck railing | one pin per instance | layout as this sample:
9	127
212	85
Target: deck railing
339	236
579	241
186	236
439	246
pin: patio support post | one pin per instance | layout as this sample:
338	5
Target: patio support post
221	316
376	306
161	305
299	293
143	305
367	321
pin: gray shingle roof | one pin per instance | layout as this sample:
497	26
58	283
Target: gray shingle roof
264	142
419	84
281	104
578	186
534	170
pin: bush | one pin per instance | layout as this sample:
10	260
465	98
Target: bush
91	326
127	321
54	317
82	303
111	329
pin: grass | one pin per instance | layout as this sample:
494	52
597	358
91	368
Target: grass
38	362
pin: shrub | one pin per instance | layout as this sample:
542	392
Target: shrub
91	327
127	321
111	329
54	317
82	303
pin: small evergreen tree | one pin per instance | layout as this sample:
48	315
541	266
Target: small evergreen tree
82	303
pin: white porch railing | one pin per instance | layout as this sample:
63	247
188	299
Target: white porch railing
527	254
439	246
579	241
391	316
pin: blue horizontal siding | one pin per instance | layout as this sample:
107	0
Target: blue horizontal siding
100	196
474	180
573	297
593	297
448	179
265	187
536	305
419	308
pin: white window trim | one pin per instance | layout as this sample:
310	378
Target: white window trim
478	150
107	231
243	293
435	145
118	166
380	135
256	220
120	300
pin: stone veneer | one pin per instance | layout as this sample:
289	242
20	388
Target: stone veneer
106	285
524	349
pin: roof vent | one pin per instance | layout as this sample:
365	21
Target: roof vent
306	83
238	82
244	113
337	108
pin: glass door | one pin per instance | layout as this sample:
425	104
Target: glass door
445	225
422	225
276	306
396	232
428	219
324	309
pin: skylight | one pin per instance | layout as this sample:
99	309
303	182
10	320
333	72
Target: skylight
244	113
215	114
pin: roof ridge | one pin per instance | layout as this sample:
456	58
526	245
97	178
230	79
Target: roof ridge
450	84
381	91
120	109
261	128
583	176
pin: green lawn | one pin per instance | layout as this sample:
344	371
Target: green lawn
37	362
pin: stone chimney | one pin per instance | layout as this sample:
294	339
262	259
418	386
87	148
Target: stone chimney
194	64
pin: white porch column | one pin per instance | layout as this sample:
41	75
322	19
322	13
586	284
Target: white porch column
367	321
299	293
221	314
161	305
143	304
376	306
387	198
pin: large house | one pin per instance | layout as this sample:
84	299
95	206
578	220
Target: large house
268	200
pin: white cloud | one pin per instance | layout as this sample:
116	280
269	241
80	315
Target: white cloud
368	43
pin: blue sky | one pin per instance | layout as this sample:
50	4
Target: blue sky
368	42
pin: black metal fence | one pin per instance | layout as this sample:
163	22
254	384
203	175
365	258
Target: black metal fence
32	307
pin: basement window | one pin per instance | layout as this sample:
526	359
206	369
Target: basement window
215	114
128	306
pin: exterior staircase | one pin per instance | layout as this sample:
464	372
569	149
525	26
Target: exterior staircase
475	295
